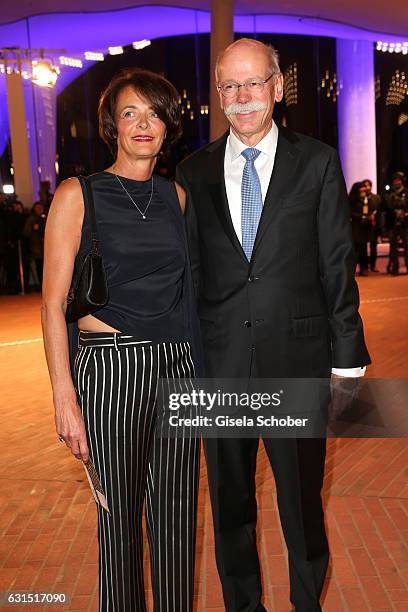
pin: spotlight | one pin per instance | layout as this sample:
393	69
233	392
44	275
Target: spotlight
8	189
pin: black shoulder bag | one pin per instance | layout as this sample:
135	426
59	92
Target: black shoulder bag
89	290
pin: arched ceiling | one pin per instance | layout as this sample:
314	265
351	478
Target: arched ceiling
389	17
77	26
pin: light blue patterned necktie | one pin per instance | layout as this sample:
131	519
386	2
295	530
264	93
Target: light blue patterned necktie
251	197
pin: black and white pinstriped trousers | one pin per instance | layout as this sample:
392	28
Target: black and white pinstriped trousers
117	383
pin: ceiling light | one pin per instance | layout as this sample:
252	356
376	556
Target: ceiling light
141	44
94	57
72	62
115	50
44	73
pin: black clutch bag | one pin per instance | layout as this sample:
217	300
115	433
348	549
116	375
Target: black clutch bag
89	289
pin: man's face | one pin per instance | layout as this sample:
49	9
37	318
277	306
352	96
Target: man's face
239	65
397	184
367	187
38	209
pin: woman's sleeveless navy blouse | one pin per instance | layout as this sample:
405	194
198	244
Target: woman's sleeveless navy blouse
145	259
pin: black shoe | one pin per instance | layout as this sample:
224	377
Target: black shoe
374	270
363	273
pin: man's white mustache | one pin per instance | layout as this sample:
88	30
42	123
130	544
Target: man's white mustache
249	107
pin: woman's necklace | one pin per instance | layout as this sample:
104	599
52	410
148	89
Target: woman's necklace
134	203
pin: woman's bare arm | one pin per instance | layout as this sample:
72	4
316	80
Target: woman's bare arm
62	239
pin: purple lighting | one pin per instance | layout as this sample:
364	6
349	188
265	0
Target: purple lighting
356	110
80	32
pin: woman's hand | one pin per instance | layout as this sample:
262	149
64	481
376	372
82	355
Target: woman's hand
69	424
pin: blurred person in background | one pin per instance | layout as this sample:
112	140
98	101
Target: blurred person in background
396	206
45	195
15	221
3	242
376	222
362	215
34	229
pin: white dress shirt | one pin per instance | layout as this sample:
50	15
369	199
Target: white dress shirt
234	164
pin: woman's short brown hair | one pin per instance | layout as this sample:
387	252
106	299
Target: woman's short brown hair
162	95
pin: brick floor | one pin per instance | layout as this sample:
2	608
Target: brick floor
48	518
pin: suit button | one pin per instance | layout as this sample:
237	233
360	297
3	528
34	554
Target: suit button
250	279
247	323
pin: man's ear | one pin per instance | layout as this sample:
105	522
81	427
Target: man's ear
278	87
221	101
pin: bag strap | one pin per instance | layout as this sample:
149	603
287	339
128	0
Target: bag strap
90	206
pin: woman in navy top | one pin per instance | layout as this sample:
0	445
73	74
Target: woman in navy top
107	410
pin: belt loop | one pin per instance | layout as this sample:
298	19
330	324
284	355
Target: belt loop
115	341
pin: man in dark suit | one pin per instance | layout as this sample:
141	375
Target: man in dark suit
269	231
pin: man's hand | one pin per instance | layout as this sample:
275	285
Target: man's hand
343	391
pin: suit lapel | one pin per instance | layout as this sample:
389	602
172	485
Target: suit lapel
216	186
281	183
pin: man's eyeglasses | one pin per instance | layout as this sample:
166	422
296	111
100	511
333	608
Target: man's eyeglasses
230	89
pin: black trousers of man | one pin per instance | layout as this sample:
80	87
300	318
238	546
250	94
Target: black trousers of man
298	468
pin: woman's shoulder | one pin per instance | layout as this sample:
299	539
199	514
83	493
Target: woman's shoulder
68	199
68	187
68	194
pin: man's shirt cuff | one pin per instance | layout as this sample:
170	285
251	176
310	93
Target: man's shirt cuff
349	372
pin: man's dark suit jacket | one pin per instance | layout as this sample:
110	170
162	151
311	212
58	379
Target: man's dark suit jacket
293	310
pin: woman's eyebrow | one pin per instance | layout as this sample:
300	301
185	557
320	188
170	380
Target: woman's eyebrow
133	106
128	106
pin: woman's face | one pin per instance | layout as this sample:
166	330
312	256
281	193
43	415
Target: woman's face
140	131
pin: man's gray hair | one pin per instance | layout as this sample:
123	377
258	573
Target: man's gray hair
269	50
